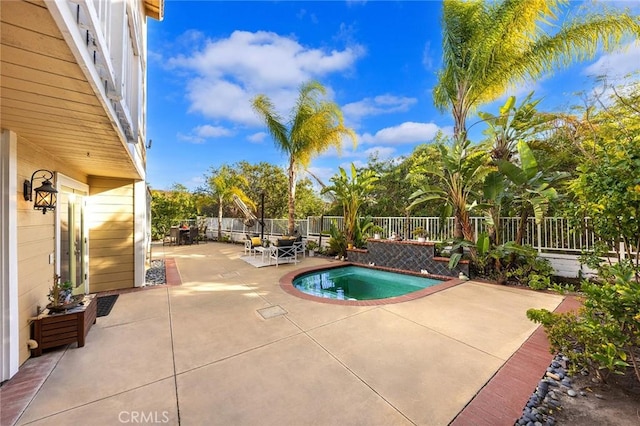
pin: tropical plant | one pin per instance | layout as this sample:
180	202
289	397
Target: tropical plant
351	192
514	124
363	228
224	183
168	208
490	46
532	188
459	173
314	126
337	244
604	335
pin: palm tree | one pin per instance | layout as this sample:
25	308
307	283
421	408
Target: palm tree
352	192
459	174
314	126
489	46
224	184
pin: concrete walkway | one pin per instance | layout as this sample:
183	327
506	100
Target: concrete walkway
203	352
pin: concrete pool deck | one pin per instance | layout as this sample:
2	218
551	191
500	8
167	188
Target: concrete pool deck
206	352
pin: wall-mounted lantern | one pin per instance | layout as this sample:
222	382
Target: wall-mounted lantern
46	194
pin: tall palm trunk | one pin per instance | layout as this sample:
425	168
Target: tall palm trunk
220	219
292	196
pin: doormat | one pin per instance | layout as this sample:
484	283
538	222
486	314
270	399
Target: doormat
105	303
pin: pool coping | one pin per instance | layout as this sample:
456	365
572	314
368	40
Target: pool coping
286	283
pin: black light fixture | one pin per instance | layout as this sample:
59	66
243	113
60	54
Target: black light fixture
46	194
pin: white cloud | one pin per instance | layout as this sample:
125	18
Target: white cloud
427	56
405	133
382	104
208	131
190	138
347	166
227	73
616	64
257	137
382	152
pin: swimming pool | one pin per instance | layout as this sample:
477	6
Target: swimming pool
358	283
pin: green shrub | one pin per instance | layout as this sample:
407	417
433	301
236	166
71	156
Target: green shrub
604	336
337	242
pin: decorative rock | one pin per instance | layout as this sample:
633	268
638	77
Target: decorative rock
537	424
554	402
156	273
599	396
553	376
583	393
572	393
566	382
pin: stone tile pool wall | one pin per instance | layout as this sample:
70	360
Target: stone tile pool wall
407	256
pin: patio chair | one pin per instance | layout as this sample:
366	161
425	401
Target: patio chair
250	244
283	251
174	235
301	246
193	234
202	233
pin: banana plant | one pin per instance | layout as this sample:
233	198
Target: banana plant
533	188
352	192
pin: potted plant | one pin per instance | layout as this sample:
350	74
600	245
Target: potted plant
60	296
377	231
420	234
312	246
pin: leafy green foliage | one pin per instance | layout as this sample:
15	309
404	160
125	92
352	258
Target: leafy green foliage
337	245
351	192
533	189
491	45
169	208
314	125
458	174
604	335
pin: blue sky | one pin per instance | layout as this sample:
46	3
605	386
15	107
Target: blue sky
378	60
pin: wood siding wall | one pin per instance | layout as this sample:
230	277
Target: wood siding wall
111	234
36	241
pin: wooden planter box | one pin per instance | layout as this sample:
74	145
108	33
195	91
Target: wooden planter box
56	329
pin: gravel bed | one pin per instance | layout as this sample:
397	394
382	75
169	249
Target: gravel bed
155	274
546	398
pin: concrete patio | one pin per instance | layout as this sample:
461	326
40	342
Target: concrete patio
201	353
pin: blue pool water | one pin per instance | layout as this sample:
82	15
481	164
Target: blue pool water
356	283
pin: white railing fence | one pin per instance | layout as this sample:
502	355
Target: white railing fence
552	235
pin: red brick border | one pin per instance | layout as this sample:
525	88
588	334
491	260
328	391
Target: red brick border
286	283
503	397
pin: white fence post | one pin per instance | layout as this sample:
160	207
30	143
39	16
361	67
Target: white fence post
539	236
